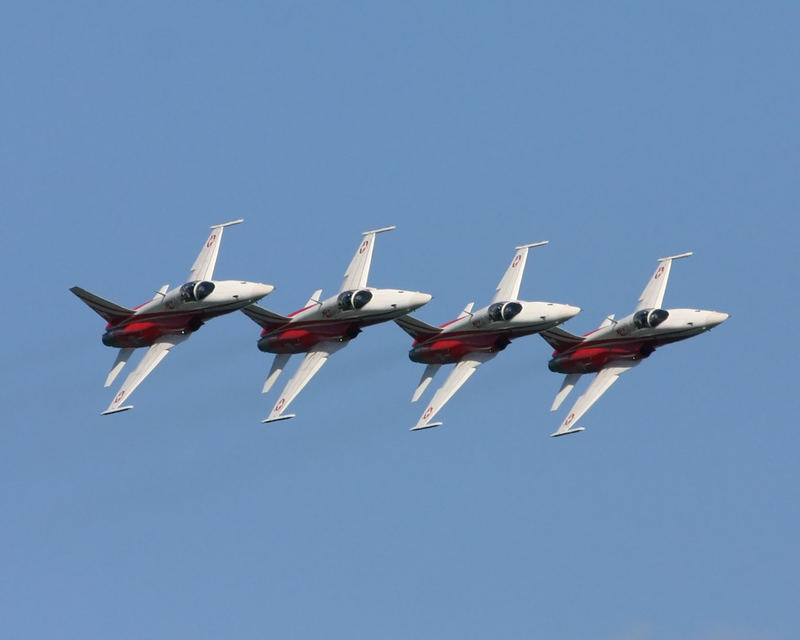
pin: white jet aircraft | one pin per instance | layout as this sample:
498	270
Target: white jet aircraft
619	345
322	327
476	337
170	317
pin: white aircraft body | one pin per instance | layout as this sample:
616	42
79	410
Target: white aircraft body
322	327
170	317
619	345
476	337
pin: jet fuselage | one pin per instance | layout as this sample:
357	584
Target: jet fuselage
182	310
633	338
339	318
489	329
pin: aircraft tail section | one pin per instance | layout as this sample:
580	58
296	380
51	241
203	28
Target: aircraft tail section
417	329
108	310
559	339
264	318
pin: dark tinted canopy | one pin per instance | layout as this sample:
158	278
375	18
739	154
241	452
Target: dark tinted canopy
649	318
194	291
504	310
350	300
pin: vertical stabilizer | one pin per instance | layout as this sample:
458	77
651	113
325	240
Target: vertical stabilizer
108	310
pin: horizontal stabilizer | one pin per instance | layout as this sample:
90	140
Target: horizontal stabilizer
277	367
559	339
569	382
466	311
314	299
122	358
417	329
263	317
607	322
110	311
161	293
425	380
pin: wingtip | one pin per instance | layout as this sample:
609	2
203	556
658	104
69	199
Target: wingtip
567	432
108	412
533	244
428	425
380	230
227	224
278	418
685	254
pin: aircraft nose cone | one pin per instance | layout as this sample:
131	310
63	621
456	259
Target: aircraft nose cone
716	317
572	311
261	290
418	299
567	311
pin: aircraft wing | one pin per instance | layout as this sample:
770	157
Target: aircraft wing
601	383
356	275
458	376
203	267
508	289
308	368
150	360
653	295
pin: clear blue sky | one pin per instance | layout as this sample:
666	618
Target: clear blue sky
619	131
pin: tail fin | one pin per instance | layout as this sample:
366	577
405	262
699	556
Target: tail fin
559	339
417	329
267	319
108	310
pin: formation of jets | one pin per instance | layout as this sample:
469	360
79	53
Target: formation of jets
322	327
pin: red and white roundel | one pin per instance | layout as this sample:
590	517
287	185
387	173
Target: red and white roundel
427	413
659	272
120	395
569	419
516	261
363	246
281	404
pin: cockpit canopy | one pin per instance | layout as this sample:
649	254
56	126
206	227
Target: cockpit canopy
649	318
353	300
194	291
504	310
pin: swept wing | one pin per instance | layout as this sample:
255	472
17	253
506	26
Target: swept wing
356	275
150	361
312	363
458	376
508	289
601	383
653	295
203	267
